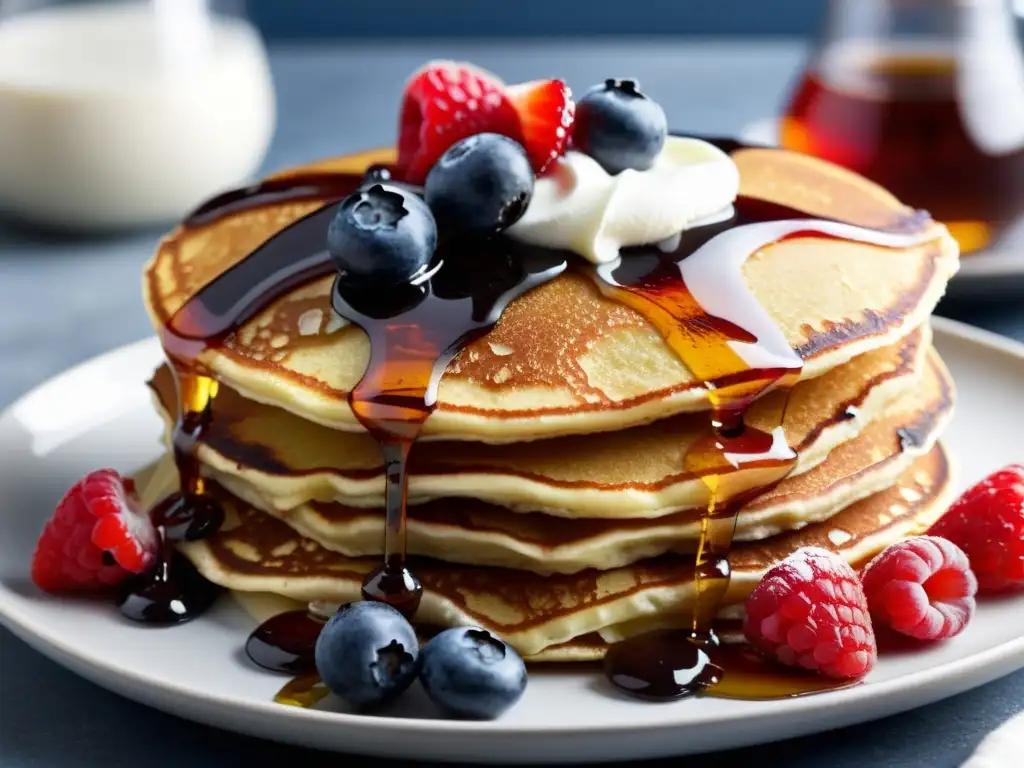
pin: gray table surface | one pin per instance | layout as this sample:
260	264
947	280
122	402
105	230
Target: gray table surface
334	100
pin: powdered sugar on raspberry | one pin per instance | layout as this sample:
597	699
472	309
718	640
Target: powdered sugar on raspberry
810	611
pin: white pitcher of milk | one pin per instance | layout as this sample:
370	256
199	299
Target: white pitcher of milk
120	113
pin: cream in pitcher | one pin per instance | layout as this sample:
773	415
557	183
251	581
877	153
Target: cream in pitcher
117	114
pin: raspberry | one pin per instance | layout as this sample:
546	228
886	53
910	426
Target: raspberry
987	523
810	611
922	587
546	113
95	538
444	102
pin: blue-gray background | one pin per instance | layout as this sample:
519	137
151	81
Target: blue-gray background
354	19
53	719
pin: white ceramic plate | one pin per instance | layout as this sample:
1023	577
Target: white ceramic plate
988	274
99	414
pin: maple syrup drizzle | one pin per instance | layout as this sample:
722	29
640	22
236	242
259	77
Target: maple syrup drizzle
286	643
415	331
173	591
698	300
326	187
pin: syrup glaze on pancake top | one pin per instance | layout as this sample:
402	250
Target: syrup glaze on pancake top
695	293
562	359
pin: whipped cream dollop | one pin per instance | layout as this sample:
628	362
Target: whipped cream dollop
578	206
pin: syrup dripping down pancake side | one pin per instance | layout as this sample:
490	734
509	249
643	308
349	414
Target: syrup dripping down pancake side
472	532
626	474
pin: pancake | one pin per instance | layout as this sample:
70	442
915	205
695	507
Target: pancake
287	461
563	359
476	533
258	553
470	531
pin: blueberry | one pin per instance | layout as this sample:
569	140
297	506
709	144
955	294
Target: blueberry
382	234
482	184
470	673
367	653
377	174
619	126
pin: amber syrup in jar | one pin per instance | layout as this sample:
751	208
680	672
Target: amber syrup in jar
922	126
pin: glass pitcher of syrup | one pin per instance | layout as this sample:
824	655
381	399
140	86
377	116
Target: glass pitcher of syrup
926	97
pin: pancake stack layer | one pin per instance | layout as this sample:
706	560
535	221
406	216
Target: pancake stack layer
548	497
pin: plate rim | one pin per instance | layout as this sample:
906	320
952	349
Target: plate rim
141	686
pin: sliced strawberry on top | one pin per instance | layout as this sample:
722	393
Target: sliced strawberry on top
444	102
546	113
96	538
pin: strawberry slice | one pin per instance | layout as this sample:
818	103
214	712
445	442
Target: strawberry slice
546	112
444	102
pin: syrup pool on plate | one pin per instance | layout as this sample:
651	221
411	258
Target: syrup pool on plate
285	643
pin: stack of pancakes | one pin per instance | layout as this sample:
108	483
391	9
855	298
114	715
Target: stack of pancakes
548	500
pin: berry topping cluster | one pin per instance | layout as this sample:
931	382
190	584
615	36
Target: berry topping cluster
812	611
447	101
368	654
473	148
